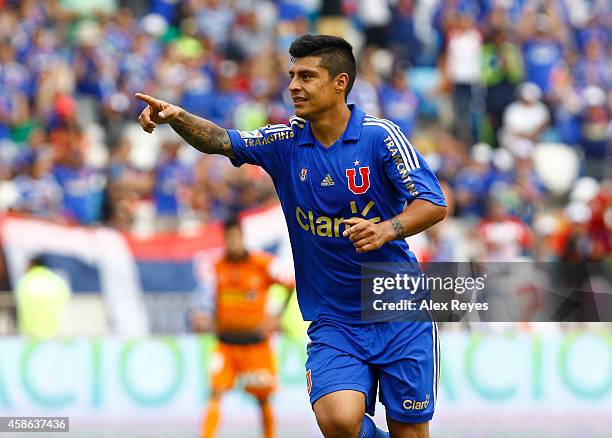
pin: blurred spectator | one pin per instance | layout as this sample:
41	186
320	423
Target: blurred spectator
41	296
542	37
582	232
600	225
595	136
594	67
472	183
529	191
36	144
505	237
292	23
402	33
172	181
127	185
524	120
502	72
364	93
374	16
249	38
214	19
227	94
462	71
399	104
39	194
566	105
82	185
211	195
14	103
578	244
89	60
332	20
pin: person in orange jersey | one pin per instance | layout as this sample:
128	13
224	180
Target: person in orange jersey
243	328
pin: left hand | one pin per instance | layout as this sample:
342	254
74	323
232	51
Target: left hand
270	325
365	235
200	322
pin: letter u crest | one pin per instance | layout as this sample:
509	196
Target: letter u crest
351	175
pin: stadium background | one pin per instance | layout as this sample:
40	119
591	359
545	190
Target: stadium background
132	220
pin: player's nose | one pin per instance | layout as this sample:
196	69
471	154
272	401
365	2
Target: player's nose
294	85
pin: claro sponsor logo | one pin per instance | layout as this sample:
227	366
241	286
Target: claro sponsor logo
326	226
414	405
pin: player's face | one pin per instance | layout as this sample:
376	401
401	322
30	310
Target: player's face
312	90
234	244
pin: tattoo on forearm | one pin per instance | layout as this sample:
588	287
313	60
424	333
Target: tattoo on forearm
203	135
397	227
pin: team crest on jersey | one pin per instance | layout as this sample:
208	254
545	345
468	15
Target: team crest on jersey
351	176
303	174
255	133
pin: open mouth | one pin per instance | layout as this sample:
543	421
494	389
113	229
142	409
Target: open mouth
298	100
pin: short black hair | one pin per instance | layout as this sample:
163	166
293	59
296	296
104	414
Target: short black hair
231	222
336	55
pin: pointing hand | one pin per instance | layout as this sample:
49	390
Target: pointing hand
156	112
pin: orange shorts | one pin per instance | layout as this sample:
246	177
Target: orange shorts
252	365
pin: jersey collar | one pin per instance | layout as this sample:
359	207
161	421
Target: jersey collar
352	132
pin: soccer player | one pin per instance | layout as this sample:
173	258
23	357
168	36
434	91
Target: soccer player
352	188
243	329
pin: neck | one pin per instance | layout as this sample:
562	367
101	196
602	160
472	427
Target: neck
328	126
235	258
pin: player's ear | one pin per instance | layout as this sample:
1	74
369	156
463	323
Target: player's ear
341	82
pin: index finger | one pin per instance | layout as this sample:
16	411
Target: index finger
356	224
353	220
149	100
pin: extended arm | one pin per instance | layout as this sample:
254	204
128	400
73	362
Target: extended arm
200	133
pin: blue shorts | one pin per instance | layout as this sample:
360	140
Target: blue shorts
402	359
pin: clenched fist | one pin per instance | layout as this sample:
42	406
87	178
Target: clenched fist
156	112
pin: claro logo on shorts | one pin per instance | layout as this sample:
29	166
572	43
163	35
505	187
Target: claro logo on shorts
411	405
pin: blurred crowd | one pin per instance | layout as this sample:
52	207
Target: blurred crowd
510	102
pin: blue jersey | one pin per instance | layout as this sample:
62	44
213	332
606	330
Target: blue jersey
541	57
370	172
